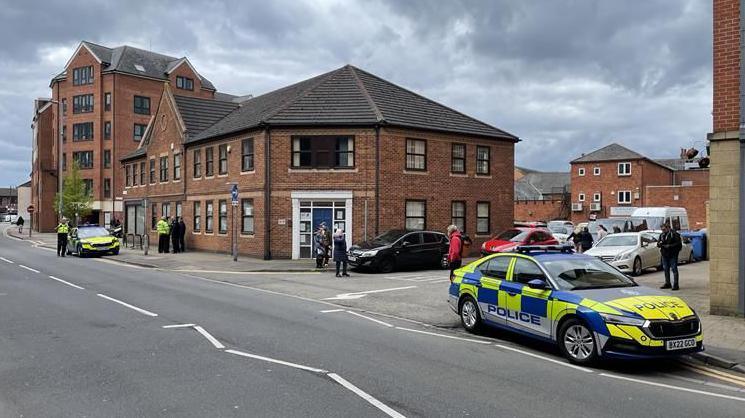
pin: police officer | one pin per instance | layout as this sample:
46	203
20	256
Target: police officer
62	229
163	231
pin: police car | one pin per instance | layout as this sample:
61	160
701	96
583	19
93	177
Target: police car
590	309
91	239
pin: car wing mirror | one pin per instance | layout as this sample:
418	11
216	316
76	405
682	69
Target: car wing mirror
538	284
405	244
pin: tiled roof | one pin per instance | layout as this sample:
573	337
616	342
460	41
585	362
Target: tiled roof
139	152
673	163
536	184
8	192
612	152
199	114
351	97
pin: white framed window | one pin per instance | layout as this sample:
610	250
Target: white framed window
596	197
581	197
624	169
596	171
581	171
624	196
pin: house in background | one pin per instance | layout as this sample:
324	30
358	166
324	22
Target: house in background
541	196
8	199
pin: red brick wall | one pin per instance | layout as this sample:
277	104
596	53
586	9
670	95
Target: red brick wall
697	177
43	175
185	71
537	210
726	65
692	198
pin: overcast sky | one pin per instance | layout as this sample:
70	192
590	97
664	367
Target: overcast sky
565	76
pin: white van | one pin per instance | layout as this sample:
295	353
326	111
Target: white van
655	217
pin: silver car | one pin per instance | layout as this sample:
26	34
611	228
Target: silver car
630	252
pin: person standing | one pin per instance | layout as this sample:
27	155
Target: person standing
602	232
319	246
455	250
340	252
20	223
670	245
163	229
327	240
585	240
62	229
181	234
175	235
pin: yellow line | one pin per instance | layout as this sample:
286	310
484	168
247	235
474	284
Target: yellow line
717	371
717	375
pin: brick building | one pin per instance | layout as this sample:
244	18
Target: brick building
346	148
541	196
8	199
102	103
727	142
43	166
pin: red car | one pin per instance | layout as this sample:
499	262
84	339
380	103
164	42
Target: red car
513	237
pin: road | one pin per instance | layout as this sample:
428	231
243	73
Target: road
92	337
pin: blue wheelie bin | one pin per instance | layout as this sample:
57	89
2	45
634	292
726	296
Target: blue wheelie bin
698	241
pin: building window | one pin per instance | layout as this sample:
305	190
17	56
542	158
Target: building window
107	101
64	161
223	217
142	173
83	158
624	169
323	152
88	184
483	159
64	107
247	216
209	162
127	175
107	158
107	187
184	83
223	159
134	174
458	215
416	214
82	104
197	216
179	209
209	216
82	131
107	130
580	171
596	197
458	159
142	105
165	210
177	166
82	75
163	169
596	171
197	163
624	197
247	154
138	132
153	215
152	170
416	154
581	197
483	221
64	133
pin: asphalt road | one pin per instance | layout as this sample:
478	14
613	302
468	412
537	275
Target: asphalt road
90	341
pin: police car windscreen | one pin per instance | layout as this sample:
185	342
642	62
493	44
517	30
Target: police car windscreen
585	273
92	232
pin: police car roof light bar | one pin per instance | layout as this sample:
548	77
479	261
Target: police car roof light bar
545	248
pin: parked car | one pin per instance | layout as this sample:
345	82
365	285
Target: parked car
630	252
511	238
686	253
560	232
529	224
560	222
90	240
400	249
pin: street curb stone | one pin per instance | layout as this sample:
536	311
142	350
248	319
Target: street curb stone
719	362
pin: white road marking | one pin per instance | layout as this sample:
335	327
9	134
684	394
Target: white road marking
527	353
28	268
370	319
6	260
273	360
332	310
366	396
66	282
358	295
119	263
668	386
140	310
471	340
179	326
209	337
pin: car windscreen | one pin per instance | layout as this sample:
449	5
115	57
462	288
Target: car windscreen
514	235
92	232
558	229
618	241
576	273
654	222
390	237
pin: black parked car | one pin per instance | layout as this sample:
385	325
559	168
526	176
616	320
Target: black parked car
401	249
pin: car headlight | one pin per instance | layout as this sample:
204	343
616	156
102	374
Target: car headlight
483	246
622	320
370	253
623	256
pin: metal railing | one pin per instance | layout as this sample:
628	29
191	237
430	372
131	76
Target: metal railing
131	243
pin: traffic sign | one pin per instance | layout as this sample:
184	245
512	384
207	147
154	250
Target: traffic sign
234	194
30	209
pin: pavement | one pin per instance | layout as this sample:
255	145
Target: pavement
95	337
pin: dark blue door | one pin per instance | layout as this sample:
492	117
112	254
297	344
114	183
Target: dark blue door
321	215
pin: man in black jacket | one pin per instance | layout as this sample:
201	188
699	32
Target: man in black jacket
175	235
670	245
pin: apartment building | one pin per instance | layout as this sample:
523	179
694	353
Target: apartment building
102	103
346	148
44	181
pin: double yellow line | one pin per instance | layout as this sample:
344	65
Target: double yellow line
717	374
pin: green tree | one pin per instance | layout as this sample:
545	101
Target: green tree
76	200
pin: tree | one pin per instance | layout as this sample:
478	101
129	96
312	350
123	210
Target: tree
76	200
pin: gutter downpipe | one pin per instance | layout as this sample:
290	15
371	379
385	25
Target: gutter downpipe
267	191
741	241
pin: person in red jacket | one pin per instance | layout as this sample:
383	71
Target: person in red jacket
455	252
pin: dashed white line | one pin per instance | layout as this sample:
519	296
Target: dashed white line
444	336
28	268
273	360
333	310
209	337
140	310
370	319
527	353
66	282
366	396
667	386
6	260
179	326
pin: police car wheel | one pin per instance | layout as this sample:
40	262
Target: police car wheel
577	342
470	317
79	250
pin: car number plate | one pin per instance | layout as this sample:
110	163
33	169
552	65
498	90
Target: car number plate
352	258
680	344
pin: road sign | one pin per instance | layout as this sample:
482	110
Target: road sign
30	209
234	194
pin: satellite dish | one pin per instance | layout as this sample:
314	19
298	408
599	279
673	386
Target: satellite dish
704	162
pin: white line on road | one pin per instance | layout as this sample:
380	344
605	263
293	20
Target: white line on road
179	326
444	336
28	268
272	360
370	319
333	310
527	353
66	282
667	386
140	310
357	295
209	337
366	396
6	260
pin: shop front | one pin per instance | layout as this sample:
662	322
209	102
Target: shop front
312	208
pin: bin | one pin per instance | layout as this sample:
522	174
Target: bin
698	241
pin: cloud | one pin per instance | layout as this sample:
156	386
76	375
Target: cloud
567	77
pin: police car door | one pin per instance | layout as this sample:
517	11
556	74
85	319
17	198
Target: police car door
527	308
493	274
